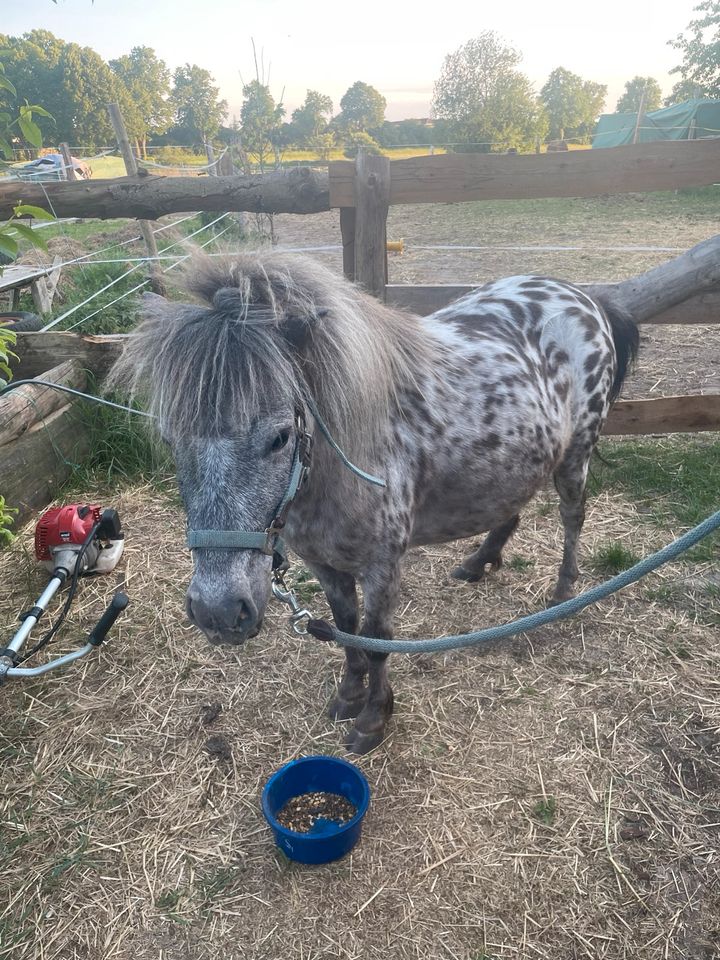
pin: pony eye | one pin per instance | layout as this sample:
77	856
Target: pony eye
280	441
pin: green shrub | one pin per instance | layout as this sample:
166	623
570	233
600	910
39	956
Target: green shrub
179	155
7	515
7	340
359	140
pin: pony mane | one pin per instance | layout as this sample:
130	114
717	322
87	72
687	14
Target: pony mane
272	326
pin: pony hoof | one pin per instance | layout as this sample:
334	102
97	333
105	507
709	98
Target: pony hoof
340	709
361	743
460	573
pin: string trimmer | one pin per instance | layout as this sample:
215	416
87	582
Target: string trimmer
71	541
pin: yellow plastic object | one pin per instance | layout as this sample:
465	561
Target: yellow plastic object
395	246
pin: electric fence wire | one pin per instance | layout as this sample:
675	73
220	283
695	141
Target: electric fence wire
112	283
144	283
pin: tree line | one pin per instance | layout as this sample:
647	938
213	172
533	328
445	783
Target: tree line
74	84
481	101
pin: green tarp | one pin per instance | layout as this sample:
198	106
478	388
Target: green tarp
685	121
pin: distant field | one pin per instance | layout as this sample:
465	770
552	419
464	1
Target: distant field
111	166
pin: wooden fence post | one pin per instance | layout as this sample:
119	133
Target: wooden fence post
210	153
372	197
226	167
347	230
116	118
67	160
639	118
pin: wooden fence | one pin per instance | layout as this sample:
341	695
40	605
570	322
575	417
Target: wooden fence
39	437
364	190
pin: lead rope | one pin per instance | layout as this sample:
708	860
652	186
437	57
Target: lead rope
323	630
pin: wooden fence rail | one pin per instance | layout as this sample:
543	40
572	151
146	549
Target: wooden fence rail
456	178
424	299
660	415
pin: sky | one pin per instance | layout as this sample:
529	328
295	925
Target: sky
390	44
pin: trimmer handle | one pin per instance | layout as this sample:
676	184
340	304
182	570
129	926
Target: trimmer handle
113	611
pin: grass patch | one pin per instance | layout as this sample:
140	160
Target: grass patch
612	558
670	480
305	585
520	563
117	310
216	883
102	314
168	903
545	810
123	448
83	231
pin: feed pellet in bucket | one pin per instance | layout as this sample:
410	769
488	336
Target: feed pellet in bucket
302	813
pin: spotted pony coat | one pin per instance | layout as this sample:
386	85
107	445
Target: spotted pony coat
487	400
530	368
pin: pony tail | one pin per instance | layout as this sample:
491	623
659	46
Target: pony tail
626	338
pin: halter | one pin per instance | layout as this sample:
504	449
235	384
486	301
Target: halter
269	540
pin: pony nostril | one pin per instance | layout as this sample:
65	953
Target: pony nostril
244	614
236	615
199	613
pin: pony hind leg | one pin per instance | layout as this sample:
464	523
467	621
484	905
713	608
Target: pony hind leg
472	567
341	593
570	480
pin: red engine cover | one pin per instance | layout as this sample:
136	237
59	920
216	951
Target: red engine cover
63	527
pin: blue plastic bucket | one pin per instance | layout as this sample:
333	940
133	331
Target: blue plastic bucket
328	840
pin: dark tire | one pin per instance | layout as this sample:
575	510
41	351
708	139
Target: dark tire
21	322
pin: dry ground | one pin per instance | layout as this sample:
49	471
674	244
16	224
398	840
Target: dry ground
555	796
676	359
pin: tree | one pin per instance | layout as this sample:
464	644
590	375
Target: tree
358	140
684	90
700	49
362	107
572	104
86	85
632	98
396	133
323	144
147	81
260	121
31	65
485	99
73	81
310	120
195	100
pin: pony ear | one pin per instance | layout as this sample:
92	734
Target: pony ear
297	329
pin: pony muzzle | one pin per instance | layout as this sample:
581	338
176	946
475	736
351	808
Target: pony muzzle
230	618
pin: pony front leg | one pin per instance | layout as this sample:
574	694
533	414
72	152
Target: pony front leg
341	593
380	592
